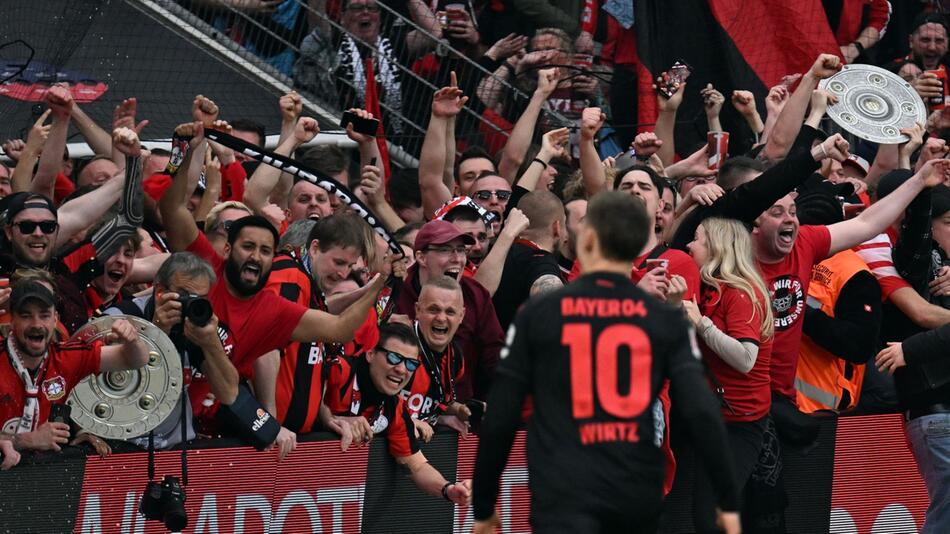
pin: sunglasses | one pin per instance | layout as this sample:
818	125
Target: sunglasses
28	227
499	193
394	359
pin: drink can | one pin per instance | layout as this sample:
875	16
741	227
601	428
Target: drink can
717	147
937	102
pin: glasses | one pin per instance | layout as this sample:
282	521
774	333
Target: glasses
445	249
223	225
28	227
369	8
500	194
394	359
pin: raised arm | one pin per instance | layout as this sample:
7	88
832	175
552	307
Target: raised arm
553	145
789	122
60	100
592	170
180	228
446	103
880	215
666	121
98	139
372	192
712	104
490	270
520	139
265	177
774	104
744	102
23	173
316	325
129	353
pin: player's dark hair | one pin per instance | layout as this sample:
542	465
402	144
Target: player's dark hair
248	125
398	331
734	169
621	224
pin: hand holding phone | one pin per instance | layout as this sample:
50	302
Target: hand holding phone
671	80
360	125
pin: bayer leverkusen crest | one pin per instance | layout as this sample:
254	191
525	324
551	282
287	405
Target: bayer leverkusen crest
54	388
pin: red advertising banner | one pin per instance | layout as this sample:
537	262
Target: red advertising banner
876	487
514	500
317	488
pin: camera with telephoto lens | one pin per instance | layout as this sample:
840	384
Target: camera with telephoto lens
165	502
196	309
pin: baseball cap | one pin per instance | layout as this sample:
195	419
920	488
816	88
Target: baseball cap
23	201
30	290
939	201
857	162
892	181
439	232
928	18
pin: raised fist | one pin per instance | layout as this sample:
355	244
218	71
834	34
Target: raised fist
204	109
126	141
306	129
592	119
60	100
826	66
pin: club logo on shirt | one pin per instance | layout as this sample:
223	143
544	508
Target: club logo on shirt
788	301
54	388
11	426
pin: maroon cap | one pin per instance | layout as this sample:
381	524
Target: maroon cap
440	232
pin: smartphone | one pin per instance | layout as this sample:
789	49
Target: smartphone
672	78
59	413
360	125
653	263
477	408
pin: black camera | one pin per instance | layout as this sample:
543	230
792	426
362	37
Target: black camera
196	309
165	502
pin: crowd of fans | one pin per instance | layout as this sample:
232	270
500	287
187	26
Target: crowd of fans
811	275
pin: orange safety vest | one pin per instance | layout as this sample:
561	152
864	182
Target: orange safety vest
822	378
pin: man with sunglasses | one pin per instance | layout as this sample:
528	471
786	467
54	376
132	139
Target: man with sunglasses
491	192
364	391
440	249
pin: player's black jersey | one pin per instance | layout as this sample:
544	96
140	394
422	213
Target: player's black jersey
593	356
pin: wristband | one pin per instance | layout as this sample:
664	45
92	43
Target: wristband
543	164
640	157
860	47
445	490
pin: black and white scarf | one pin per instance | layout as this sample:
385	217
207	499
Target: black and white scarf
352	68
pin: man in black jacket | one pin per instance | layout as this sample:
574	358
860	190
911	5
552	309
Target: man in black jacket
921	371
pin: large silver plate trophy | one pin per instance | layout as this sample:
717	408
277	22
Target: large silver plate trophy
127	404
874	104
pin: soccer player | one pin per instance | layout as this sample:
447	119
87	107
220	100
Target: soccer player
593	355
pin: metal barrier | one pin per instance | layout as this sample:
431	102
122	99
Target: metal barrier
317	48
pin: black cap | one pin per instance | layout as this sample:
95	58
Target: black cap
891	181
939	201
928	18
30	290
821	203
18	202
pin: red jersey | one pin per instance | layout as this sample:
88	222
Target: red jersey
432	387
350	392
788	281
747	396
65	366
259	324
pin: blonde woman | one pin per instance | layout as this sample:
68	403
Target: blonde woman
733	320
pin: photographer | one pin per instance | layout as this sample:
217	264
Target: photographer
37	373
177	305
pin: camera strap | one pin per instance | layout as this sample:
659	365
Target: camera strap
184	437
151	455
